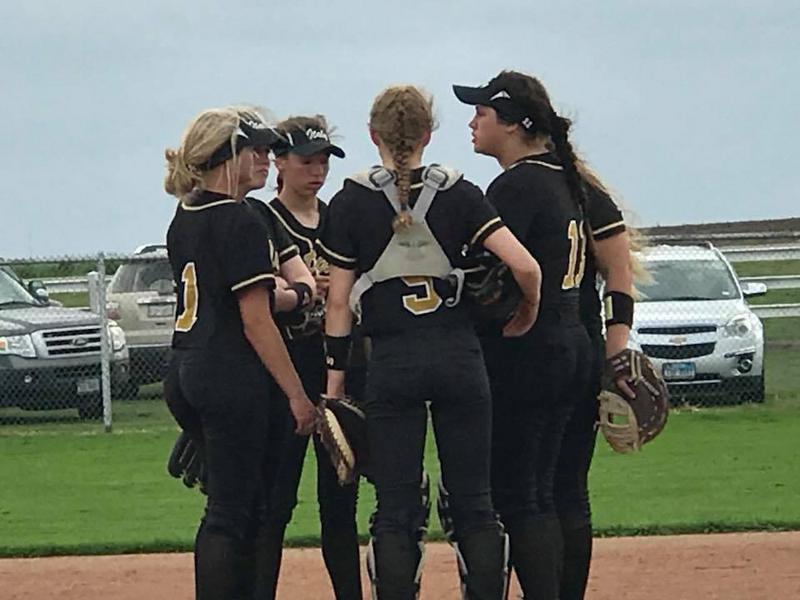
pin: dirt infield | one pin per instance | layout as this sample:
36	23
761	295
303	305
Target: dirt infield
751	566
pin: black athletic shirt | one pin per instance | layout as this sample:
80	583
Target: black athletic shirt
534	201
284	245
605	220
358	228
216	247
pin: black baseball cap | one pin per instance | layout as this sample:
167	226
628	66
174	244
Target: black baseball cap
496	95
249	134
308	141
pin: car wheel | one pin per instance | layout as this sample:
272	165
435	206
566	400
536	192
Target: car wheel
91	410
129	391
754	391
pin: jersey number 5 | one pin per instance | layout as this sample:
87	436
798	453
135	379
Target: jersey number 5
188	317
424	300
577	256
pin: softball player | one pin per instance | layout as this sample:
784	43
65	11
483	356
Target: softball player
610	256
302	164
539	196
393	236
225	337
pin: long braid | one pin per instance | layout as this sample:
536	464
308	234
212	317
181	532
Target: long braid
403	184
401	116
559	133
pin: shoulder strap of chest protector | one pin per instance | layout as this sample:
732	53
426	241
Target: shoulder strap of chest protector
413	251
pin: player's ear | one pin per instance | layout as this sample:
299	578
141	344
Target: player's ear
426	139
374	137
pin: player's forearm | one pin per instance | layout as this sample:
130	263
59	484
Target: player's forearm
614	263
524	268
263	335
617	338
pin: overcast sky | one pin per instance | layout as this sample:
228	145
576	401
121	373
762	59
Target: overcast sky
688	109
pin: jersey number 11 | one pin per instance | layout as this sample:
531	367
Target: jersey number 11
577	255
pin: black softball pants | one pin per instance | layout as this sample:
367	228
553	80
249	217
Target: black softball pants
226	399
572	478
533	379
442	365
337	504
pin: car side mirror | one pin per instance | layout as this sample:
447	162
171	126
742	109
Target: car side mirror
751	289
38	289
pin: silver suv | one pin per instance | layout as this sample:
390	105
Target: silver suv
693	322
141	299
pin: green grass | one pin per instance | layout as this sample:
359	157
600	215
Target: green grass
759	268
68	490
72	299
785	329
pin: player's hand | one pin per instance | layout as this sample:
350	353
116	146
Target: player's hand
323	282
523	319
305	415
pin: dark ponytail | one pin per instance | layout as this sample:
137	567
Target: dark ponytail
559	134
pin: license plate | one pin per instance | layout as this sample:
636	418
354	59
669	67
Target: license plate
683	370
160	310
88	386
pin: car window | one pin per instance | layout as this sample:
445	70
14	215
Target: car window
11	291
688	280
143	277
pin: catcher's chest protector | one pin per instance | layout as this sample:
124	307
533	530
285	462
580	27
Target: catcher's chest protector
414	250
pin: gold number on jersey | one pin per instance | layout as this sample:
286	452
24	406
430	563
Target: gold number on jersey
577	256
424	299
188	317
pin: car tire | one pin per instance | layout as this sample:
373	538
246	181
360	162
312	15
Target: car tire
129	391
754	390
91	410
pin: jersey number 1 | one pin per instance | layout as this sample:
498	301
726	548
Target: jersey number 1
577	256
188	317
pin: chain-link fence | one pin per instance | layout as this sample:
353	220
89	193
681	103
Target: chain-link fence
720	318
81	337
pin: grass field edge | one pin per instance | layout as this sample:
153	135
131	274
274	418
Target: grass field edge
170	546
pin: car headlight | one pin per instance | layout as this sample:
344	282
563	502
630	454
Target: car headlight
117	337
741	325
20	345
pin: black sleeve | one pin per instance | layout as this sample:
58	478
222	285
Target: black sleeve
480	217
336	241
284	243
604	216
245	251
516	210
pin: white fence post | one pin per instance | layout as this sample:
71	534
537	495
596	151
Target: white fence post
105	342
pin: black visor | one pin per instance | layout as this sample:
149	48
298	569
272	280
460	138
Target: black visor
249	134
307	142
496	97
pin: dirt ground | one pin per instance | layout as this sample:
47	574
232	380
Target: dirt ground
751	566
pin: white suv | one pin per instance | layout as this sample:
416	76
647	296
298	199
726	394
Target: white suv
693	322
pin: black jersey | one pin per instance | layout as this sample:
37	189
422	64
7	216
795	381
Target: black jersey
305	238
534	201
308	322
605	220
283	244
359	227
216	247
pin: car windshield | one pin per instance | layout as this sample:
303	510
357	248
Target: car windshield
143	277
12	292
688	280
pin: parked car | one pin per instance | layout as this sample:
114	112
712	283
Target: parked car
693	322
50	355
141	299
